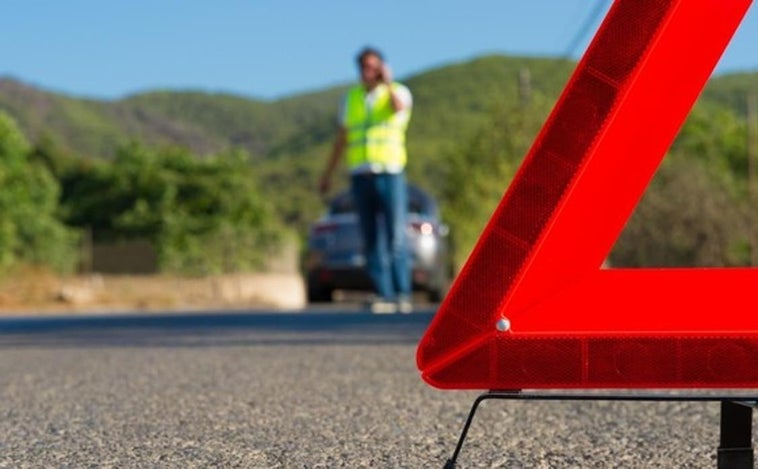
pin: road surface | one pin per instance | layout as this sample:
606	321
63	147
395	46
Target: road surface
305	389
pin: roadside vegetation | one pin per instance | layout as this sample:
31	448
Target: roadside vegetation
215	182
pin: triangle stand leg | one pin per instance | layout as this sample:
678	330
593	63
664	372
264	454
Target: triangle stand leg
736	445
450	463
735	449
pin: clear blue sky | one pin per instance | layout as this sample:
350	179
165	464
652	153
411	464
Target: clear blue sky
274	48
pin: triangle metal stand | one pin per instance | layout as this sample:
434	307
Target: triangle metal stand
735	449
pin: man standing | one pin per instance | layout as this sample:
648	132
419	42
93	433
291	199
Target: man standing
373	120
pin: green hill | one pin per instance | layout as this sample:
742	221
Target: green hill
730	90
449	102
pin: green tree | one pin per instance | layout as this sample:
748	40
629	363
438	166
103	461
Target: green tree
30	229
717	137
204	216
477	174
688	217
695	212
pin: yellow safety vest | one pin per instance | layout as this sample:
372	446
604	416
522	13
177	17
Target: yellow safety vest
375	135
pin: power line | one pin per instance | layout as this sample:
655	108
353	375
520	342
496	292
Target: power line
525	87
584	29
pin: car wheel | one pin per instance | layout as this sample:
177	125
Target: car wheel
434	295
319	293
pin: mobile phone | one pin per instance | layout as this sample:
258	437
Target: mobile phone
385	72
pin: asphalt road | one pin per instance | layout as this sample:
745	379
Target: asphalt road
311	389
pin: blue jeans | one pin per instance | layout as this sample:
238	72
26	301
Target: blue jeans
382	204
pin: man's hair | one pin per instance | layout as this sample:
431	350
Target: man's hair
365	52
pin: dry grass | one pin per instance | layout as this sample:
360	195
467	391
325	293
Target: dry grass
37	291
27	288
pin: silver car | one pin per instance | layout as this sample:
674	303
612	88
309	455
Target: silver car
335	259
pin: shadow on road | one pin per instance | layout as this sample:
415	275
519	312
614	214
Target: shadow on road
215	329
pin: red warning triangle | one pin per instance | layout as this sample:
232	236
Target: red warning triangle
532	308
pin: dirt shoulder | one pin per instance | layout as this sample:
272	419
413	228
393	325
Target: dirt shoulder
39	292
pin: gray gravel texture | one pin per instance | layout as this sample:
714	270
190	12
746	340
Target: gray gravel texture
283	400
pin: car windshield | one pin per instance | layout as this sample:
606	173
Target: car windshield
418	203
